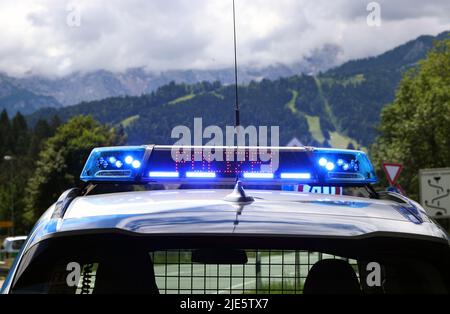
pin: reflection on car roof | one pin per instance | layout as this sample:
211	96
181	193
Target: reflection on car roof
272	212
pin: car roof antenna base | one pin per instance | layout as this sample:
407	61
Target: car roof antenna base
238	195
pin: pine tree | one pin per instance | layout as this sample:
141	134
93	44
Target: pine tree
19	133
5	136
41	132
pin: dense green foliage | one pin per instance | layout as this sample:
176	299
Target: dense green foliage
61	160
42	162
415	128
20	145
356	102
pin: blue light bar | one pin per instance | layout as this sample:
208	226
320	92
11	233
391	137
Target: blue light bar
191	174
192	164
304	176
163	174
258	175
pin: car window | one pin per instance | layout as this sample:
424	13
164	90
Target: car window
265	272
87	267
174	272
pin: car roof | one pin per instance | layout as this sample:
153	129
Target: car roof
204	212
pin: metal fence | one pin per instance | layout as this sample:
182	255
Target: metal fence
267	271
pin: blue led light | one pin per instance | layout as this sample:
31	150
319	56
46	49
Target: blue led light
340	162
163	174
102	162
300	175
258	175
329	166
136	164
323	161
107	164
345	167
192	174
128	160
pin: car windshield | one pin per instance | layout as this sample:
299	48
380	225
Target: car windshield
213	265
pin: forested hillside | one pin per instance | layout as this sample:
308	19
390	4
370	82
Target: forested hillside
295	104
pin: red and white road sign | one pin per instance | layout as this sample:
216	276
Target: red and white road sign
392	172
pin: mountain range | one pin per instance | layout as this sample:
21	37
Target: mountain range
339	107
77	87
15	98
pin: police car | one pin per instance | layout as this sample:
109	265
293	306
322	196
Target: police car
206	220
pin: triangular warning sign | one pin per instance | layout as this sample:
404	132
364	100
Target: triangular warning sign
392	172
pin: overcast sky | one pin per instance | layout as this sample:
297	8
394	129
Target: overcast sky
55	37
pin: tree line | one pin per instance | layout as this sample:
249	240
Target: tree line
415	128
38	163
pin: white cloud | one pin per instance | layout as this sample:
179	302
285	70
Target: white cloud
184	34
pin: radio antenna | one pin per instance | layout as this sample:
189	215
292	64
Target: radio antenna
237	121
